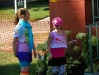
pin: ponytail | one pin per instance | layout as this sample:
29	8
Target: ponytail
16	19
20	12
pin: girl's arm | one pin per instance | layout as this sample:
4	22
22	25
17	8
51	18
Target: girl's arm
34	52
48	46
72	42
15	41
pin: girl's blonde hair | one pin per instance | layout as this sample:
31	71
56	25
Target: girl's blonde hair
20	12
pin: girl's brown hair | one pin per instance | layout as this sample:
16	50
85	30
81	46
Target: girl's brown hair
20	12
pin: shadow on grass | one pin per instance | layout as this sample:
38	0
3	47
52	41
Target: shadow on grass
14	69
47	8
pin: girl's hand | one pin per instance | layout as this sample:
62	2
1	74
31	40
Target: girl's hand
50	56
74	41
34	53
15	54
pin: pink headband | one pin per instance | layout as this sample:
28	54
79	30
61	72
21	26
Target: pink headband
57	21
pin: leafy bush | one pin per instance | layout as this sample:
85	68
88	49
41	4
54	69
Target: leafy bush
40	67
68	32
86	52
41	46
76	48
71	63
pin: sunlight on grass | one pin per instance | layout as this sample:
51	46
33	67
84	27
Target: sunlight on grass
35	15
37	10
7	58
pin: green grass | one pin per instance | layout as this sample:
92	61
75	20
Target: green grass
9	64
37	10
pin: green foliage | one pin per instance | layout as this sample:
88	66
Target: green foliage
84	41
41	46
86	52
71	63
94	41
49	71
42	63
68	32
95	68
81	35
40	66
76	48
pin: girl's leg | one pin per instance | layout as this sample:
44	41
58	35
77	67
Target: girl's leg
62	70
24	59
24	68
54	70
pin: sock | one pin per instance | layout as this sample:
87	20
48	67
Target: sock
24	73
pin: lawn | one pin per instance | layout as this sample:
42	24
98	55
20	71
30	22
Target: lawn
9	64
38	10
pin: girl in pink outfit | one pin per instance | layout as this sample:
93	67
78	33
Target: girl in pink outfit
56	45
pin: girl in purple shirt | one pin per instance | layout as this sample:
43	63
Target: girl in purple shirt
56	45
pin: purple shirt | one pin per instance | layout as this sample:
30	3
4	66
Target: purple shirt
57	45
58	41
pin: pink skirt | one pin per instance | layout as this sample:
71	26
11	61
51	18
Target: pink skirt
57	52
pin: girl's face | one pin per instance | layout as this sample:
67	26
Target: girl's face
58	27
27	16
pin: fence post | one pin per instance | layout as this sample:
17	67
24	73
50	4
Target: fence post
15	5
90	48
93	10
25	4
97	39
